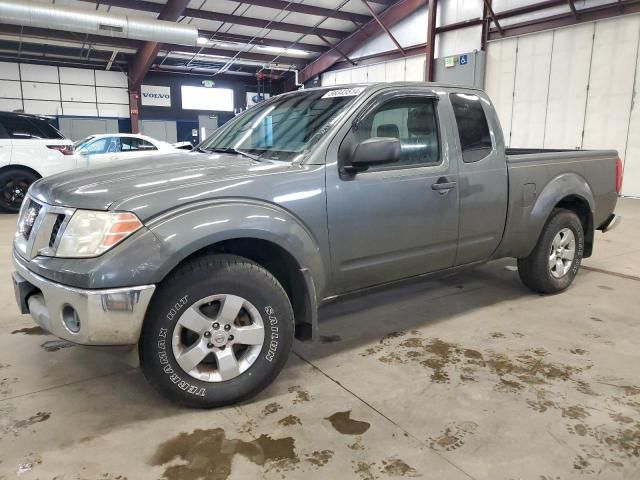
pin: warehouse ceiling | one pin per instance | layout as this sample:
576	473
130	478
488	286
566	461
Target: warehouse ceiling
233	37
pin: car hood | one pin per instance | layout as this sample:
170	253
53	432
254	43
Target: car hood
176	178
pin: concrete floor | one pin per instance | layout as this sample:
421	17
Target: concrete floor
471	376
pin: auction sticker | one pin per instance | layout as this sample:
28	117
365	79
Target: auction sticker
344	92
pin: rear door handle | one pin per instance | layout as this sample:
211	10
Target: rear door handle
443	185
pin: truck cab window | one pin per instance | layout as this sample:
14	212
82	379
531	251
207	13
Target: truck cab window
413	121
473	128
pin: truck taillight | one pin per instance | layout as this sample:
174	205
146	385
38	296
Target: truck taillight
63	149
618	176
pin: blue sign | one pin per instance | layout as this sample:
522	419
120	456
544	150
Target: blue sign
463	59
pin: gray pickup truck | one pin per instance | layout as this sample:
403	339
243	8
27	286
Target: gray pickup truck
208	264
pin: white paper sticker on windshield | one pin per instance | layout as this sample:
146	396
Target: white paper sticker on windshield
344	92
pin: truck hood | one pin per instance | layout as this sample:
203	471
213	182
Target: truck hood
118	184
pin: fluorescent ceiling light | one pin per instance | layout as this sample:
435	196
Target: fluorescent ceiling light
202	40
294	51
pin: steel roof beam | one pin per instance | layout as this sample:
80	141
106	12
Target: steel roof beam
309	10
390	16
384	27
148	52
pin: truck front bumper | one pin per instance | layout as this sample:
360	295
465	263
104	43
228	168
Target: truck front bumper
88	317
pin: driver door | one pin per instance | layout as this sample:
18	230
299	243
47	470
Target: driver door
395	221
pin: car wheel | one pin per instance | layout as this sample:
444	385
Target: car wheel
554	262
218	331
14	184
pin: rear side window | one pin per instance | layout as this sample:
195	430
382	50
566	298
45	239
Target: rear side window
130	144
473	128
19	127
47	130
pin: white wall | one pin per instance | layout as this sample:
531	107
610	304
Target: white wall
409	32
63	91
571	88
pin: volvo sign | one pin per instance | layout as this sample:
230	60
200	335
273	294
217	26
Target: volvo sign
155	96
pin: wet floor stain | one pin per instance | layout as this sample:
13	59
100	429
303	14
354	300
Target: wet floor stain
330	338
397	468
301	394
601	414
271	408
574	412
4	365
17	426
31	331
453	436
364	470
319	458
346	425
497	335
208	454
578	351
357	445
289	420
605	287
6	385
55	345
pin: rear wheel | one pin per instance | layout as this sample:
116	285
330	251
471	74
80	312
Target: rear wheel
14	184
218	331
554	262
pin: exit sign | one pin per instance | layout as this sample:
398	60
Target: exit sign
450	62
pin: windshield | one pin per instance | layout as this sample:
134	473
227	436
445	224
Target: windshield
285	128
83	143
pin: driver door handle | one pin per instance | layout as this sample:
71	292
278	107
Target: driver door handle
443	185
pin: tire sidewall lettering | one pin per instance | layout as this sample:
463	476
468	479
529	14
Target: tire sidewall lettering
273	330
163	355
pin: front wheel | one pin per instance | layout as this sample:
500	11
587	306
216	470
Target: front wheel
14	184
218	331
554	262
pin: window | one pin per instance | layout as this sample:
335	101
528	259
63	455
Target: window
96	147
24	127
131	144
283	128
413	121
47	130
473	128
19	127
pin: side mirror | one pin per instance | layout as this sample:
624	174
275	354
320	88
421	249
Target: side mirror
376	150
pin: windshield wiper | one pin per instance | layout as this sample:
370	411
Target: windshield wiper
230	150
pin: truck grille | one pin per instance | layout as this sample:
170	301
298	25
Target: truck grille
56	229
39	228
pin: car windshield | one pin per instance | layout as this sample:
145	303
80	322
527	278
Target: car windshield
282	129
83	143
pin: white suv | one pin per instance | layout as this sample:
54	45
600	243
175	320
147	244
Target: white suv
30	148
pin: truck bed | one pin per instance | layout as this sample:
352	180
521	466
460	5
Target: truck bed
534	172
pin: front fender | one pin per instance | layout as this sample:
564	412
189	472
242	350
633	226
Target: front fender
186	230
561	187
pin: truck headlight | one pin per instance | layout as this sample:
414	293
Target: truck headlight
90	233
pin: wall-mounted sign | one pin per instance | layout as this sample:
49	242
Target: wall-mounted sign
155	96
254	98
450	62
208	83
463	59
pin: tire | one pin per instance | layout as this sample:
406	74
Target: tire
14	184
536	270
180	327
